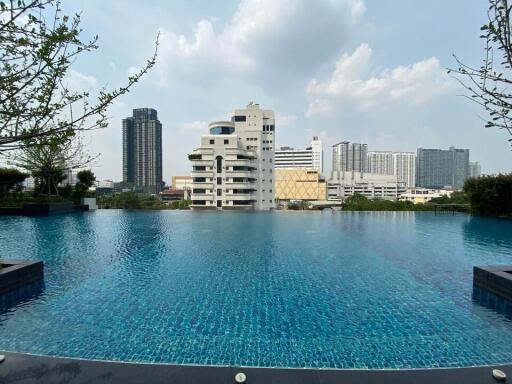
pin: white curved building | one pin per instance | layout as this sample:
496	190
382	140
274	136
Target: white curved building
234	166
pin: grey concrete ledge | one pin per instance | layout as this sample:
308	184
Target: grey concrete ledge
496	279
15	274
30	369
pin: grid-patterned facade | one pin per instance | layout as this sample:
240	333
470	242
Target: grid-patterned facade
438	168
400	164
300	184
348	156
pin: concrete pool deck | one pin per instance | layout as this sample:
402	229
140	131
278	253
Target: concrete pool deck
22	368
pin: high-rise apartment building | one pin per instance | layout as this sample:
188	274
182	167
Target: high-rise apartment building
400	164
348	156
142	151
475	170
317	152
234	166
438	168
309	158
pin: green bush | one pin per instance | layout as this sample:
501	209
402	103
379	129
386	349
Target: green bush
85	180
180	204
10	178
490	195
359	202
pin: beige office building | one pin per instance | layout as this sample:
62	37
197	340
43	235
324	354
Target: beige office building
300	184
181	182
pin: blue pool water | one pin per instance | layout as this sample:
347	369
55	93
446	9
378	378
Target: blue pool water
282	289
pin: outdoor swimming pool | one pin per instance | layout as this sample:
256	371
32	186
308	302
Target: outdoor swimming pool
281	289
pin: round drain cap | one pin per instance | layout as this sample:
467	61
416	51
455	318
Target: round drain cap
499	375
240	377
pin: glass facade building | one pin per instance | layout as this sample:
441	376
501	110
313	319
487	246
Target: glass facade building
438	168
142	151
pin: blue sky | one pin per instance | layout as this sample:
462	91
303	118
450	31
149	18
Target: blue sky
368	71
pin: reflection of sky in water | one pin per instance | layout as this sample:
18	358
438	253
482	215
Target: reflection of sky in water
350	290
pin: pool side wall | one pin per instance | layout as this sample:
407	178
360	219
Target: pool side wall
30	369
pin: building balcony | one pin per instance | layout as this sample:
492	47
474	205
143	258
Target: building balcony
241	162
208	174
239	196
203	162
243	152
246	185
202	185
251	174
202	196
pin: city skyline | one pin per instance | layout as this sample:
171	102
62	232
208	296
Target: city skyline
361	85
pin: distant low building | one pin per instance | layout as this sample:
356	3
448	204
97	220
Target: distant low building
182	183
424	195
346	184
172	194
104	187
300	184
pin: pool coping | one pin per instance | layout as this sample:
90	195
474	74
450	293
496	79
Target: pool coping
21	368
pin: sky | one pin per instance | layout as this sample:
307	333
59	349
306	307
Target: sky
368	71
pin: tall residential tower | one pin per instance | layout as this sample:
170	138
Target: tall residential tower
400	164
234	166
142	151
349	157
438	168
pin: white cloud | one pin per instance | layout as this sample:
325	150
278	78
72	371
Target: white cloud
351	81
262	37
78	82
285	120
193	127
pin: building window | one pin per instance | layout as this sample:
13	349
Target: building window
226	141
219	180
219	192
219	163
219	203
240	118
212	141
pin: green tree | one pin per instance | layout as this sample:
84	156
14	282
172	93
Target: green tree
38	45
490	195
10	178
489	84
86	180
47	161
